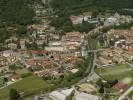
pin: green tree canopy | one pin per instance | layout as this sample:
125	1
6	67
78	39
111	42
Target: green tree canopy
14	95
16	11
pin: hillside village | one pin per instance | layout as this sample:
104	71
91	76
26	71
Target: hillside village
52	55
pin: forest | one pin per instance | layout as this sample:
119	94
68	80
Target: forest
72	4
65	8
16	14
16	11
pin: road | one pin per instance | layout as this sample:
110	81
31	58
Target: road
90	69
131	65
125	93
94	63
87	71
97	50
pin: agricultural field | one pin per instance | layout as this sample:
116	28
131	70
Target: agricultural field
122	72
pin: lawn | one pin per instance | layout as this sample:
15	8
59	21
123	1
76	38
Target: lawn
29	86
121	72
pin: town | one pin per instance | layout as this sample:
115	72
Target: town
74	65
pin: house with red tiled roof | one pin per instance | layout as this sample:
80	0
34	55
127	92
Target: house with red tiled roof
15	77
119	86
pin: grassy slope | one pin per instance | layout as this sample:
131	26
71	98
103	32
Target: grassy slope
28	85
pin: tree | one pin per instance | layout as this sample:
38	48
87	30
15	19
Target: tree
17	11
84	27
14	95
5	79
95	14
32	46
13	67
21	30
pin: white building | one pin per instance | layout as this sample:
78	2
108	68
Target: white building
58	49
85	96
110	21
79	19
117	20
7	53
60	95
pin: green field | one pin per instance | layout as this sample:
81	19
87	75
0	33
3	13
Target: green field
29	86
121	72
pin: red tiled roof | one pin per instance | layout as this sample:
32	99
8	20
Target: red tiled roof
119	86
39	52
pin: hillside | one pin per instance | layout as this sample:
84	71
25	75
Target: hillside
16	11
90	4
16	14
